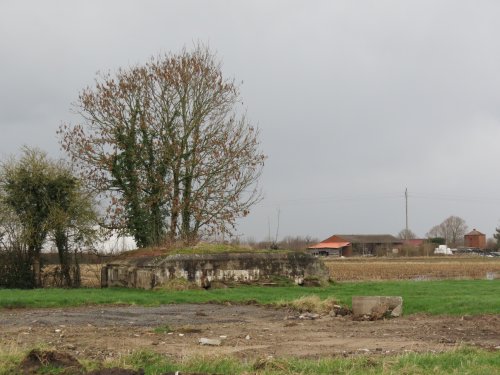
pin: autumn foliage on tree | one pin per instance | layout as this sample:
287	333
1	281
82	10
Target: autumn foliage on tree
165	144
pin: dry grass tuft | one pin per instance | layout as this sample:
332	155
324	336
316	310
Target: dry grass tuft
179	283
312	304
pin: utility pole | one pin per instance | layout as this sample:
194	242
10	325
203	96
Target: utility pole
406	203
269	229
277	226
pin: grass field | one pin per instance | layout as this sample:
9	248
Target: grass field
437	286
450	297
453	297
461	361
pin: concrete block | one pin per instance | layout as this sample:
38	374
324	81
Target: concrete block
376	306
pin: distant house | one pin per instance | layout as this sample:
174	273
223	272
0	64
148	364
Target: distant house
475	239
333	245
360	244
415	242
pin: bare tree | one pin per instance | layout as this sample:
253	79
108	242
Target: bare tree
166	145
406	234
496	237
434	232
297	242
491	244
451	229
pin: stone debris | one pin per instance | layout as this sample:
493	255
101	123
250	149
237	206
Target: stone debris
309	316
337	311
210	342
397	311
340	311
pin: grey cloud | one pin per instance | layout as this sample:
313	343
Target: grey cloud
355	100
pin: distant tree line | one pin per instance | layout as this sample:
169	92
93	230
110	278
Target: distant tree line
295	243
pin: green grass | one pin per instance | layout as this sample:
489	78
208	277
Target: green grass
200	248
216	248
460	361
453	297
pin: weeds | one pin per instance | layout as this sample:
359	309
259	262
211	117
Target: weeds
178	284
310	304
464	360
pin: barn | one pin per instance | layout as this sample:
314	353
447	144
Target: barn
355	244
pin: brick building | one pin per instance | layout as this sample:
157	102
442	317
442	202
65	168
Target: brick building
475	239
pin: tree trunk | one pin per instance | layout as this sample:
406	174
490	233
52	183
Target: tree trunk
61	240
186	210
175	207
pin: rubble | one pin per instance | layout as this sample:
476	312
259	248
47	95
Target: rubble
210	342
376	307
309	316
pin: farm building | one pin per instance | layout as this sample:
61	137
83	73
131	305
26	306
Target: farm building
475	239
351	244
415	242
333	245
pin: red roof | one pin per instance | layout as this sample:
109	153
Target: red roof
329	245
475	233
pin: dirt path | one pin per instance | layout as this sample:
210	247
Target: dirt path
250	332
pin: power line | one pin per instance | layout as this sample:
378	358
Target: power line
379	197
337	198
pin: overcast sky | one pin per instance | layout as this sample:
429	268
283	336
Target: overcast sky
355	100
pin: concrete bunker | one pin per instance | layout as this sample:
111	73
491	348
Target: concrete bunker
148	272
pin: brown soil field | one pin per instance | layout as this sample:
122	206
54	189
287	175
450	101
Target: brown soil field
245	332
421	268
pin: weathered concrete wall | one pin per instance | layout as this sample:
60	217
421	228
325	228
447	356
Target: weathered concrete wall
148	272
